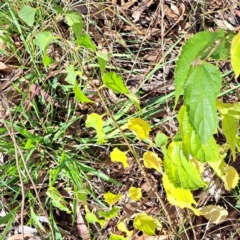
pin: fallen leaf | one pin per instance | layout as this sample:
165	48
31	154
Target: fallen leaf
215	214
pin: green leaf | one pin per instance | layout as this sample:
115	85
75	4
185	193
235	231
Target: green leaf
85	41
230	130
116	237
235	54
135	101
79	95
102	61
161	139
57	199
145	223
201	90
95	121
7	217
232	109
191	142
109	214
43	39
192	50
71	75
27	14
47	60
35	219
91	218
74	20
115	82
222	52
180	171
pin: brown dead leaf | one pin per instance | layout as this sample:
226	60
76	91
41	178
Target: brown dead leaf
81	226
140	8
5	67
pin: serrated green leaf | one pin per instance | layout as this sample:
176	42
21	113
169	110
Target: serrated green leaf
27	14
190	52
95	121
180	171
145	223
116	237
115	82
235	54
85	41
74	20
201	90
222	52
109	214
43	39
161	139
102	61
230	130
57	199
191	142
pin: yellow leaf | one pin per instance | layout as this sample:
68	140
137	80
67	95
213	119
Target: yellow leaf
95	121
135	193
118	156
180	197
140	127
121	226
235	54
151	160
198	165
227	173
231	177
215	214
112	198
145	223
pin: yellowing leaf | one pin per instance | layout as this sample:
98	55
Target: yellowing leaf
121	226
135	193
95	121
116	237
140	127
112	198
231	177
151	160
235	54
215	214
118	156
227	173
145	223
179	197
198	165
